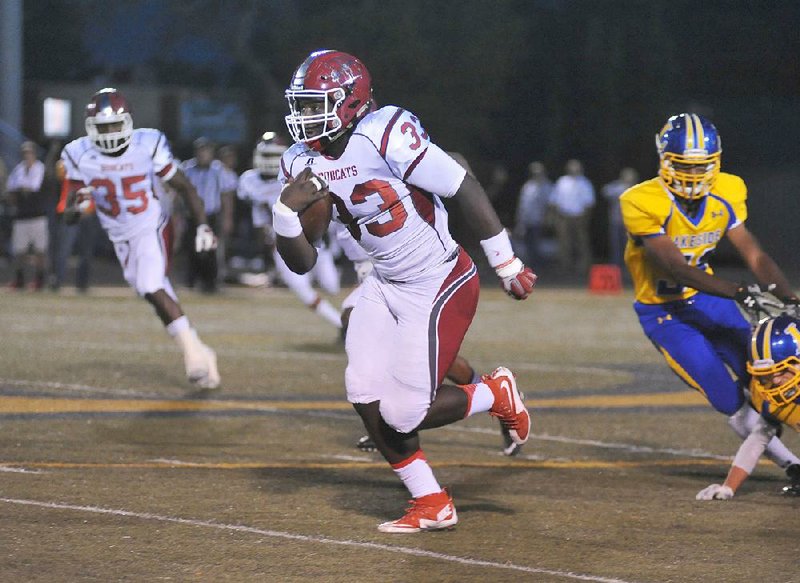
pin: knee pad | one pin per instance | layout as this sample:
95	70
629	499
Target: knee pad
744	420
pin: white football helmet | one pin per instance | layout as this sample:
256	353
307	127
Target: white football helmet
109	106
267	154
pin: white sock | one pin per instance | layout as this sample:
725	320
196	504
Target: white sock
177	325
779	454
325	309
480	398
417	476
191	346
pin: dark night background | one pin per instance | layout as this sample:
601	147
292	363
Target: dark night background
505	81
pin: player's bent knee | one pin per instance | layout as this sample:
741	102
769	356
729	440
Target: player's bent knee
728	406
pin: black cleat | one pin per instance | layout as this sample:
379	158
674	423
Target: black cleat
791	490
366	444
793	473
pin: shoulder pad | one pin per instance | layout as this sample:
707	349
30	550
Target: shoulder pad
730	187
147	136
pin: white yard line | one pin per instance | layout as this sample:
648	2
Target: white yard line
71	387
349	458
20	470
630	447
314	539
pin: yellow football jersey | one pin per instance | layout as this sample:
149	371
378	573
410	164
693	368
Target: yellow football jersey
649	209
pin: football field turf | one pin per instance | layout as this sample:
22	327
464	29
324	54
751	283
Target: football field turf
114	469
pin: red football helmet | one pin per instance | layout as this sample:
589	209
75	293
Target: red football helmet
109	106
328	94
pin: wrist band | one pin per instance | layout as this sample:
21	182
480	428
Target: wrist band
498	249
285	221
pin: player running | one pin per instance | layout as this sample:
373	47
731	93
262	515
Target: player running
115	166
387	180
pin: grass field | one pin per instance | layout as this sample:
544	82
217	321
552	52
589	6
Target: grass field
113	469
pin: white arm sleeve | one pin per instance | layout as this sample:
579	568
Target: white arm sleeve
753	447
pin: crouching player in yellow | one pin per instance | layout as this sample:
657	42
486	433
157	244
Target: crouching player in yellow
674	223
774	363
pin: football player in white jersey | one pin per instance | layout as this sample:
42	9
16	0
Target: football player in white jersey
387	180
260	185
460	372
116	166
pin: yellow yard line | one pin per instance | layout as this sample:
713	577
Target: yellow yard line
32	405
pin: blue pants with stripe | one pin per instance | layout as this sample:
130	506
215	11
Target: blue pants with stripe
698	337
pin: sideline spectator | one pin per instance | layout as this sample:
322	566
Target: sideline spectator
28	206
617	235
534	199
573	198
240	240
216	188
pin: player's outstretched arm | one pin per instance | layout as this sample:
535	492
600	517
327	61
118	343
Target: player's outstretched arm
743	464
475	207
761	264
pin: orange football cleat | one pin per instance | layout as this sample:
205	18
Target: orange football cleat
508	404
431	512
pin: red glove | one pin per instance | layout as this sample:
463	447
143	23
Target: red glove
518	280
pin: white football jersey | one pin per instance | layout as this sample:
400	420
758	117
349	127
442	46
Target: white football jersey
123	185
263	194
387	186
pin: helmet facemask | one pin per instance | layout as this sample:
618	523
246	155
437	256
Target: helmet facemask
110	142
690	155
763	373
324	122
329	93
689	176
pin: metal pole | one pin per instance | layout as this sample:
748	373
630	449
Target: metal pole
11	63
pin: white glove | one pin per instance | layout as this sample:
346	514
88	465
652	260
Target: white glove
518	280
715	492
363	269
83	198
204	240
